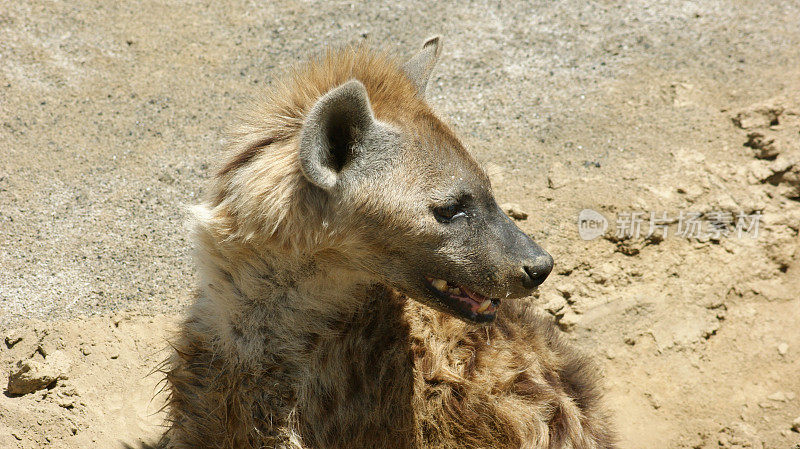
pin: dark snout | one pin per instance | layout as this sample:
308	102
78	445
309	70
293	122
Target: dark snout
532	263
527	265
537	266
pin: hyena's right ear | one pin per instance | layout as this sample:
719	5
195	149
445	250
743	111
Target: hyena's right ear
333	128
418	69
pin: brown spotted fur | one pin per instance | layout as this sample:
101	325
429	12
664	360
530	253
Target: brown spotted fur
293	344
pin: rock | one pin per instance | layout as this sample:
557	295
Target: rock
758	172
763	147
568	321
555	304
604	273
758	116
691	191
166	178
13	337
683	94
783	171
783	348
33	375
514	211
787	175
778	396
796	424
740	435
567	290
783	164
67	398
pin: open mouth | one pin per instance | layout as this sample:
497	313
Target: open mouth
467	303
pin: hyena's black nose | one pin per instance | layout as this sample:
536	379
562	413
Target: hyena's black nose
537	270
527	264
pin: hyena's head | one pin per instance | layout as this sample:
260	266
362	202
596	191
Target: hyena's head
418	205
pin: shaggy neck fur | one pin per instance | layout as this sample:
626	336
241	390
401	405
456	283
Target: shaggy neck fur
308	325
273	293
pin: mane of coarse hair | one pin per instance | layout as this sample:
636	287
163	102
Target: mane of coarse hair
259	193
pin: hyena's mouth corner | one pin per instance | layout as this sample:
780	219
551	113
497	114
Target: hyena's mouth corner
468	303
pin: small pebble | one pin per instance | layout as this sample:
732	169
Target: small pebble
783	348
567	290
568	322
554	303
796	424
32	375
777	396
514	211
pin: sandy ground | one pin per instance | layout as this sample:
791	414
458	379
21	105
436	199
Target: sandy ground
112	114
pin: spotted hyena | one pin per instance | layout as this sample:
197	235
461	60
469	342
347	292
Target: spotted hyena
359	283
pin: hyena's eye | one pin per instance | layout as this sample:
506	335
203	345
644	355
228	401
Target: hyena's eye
448	213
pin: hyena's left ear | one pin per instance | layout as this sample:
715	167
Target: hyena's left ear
419	68
334	129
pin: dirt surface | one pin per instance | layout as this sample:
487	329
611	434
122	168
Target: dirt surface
112	114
